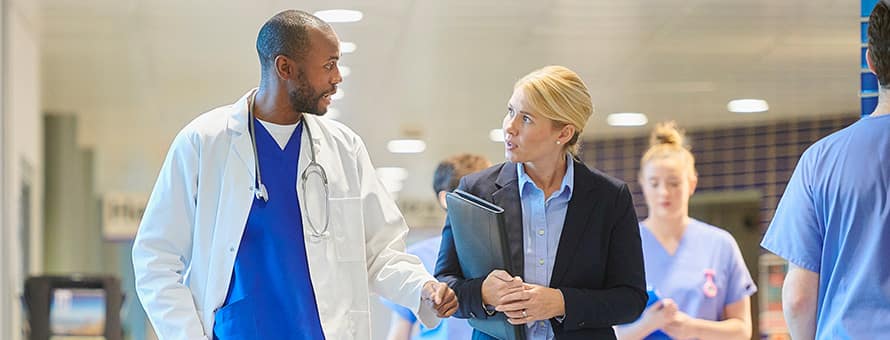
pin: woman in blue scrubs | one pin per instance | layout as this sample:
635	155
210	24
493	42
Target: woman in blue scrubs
696	269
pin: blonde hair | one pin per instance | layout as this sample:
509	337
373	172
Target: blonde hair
669	141
558	94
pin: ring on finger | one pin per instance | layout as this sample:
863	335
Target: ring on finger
524	314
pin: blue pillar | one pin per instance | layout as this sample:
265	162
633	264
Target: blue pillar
868	91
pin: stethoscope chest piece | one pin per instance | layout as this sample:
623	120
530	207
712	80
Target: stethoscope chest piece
261	193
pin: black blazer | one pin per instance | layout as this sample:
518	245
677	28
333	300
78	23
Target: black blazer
599	262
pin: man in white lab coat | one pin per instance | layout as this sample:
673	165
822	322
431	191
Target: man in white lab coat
268	221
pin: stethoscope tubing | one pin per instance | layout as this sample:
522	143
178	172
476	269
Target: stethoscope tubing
260	189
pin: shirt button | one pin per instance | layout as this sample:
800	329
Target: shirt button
541	262
541	232
231	249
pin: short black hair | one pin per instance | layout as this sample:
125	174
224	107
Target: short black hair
450	171
879	42
286	33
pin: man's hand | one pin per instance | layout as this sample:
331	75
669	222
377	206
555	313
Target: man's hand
533	303
497	285
440	297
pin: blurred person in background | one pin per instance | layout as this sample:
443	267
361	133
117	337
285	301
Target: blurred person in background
695	268
445	179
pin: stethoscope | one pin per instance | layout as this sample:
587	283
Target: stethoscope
259	188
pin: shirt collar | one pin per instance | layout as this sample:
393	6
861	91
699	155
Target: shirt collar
568	180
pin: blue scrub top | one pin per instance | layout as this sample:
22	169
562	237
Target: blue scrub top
270	295
704	275
834	219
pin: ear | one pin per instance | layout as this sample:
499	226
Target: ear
693	183
442	202
284	67
565	134
870	61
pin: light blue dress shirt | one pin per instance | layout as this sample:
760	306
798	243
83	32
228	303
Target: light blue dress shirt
542	222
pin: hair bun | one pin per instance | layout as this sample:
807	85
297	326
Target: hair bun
666	133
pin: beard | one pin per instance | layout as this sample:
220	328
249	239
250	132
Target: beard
306	99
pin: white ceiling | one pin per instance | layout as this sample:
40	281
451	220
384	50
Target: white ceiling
137	71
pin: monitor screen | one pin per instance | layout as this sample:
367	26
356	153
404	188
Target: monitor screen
77	313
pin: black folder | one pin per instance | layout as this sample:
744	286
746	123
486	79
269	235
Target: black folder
480	240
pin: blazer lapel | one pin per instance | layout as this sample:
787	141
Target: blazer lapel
507	196
581	205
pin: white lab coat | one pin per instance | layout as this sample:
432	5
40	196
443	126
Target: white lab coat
185	250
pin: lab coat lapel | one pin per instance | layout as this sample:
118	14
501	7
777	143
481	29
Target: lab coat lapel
242	146
305	158
235	198
310	124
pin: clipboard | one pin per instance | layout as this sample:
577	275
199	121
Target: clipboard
480	240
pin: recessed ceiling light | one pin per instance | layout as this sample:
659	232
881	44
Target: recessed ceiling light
347	47
338	95
345	71
747	105
406	146
496	135
627	119
339	15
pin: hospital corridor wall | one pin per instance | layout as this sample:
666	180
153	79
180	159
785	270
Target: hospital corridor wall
21	162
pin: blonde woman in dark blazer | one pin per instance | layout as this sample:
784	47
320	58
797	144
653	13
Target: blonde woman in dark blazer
572	228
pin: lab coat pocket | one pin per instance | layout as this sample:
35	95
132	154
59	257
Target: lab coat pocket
358	325
347	228
235	321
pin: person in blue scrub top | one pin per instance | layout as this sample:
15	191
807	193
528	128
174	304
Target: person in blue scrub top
572	229
445	179
696	269
268	220
833	221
